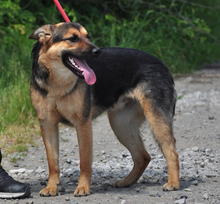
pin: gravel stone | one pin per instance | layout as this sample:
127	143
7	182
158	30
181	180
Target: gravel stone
67	198
195	182
205	196
195	149
39	170
123	201
181	201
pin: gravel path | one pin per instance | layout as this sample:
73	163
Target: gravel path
197	131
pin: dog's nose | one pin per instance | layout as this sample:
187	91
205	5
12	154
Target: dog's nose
96	51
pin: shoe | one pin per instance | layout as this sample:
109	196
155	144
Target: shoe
10	188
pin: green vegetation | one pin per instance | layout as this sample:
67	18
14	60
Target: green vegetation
183	33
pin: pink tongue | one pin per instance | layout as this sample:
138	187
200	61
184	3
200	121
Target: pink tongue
88	73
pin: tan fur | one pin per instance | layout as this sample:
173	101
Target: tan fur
164	135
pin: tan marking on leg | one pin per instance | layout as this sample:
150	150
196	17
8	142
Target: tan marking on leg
49	130
162	129
84	134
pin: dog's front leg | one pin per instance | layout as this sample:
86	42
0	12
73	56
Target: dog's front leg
49	131
84	134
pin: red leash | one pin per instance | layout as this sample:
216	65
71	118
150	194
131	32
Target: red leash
61	11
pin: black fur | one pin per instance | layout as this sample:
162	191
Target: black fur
38	72
58	33
118	70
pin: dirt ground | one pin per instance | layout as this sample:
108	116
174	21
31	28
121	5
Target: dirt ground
197	132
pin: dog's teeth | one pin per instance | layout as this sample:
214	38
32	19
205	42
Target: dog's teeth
73	63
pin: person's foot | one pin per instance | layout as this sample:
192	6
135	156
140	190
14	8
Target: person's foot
10	188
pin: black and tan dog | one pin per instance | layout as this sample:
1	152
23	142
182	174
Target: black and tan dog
130	84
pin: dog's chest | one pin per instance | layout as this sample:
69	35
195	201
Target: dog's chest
70	107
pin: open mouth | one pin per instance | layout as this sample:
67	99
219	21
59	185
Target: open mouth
72	63
80	68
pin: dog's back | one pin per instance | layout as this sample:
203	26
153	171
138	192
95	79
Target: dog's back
120	70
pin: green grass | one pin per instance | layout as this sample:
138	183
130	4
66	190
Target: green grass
17	118
15	68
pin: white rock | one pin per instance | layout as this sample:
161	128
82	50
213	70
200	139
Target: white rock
205	196
195	149
123	201
181	201
17	171
39	170
29	171
208	151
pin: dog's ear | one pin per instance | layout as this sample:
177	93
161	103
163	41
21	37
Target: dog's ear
43	34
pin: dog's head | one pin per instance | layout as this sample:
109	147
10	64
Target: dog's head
66	44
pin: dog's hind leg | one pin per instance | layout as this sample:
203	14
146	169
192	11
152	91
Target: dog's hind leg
125	121
161	124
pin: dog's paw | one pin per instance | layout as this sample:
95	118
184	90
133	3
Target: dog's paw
120	184
49	191
170	186
117	184
81	191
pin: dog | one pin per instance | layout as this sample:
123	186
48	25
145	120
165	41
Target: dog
73	81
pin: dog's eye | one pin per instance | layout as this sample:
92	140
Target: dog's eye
88	36
74	38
